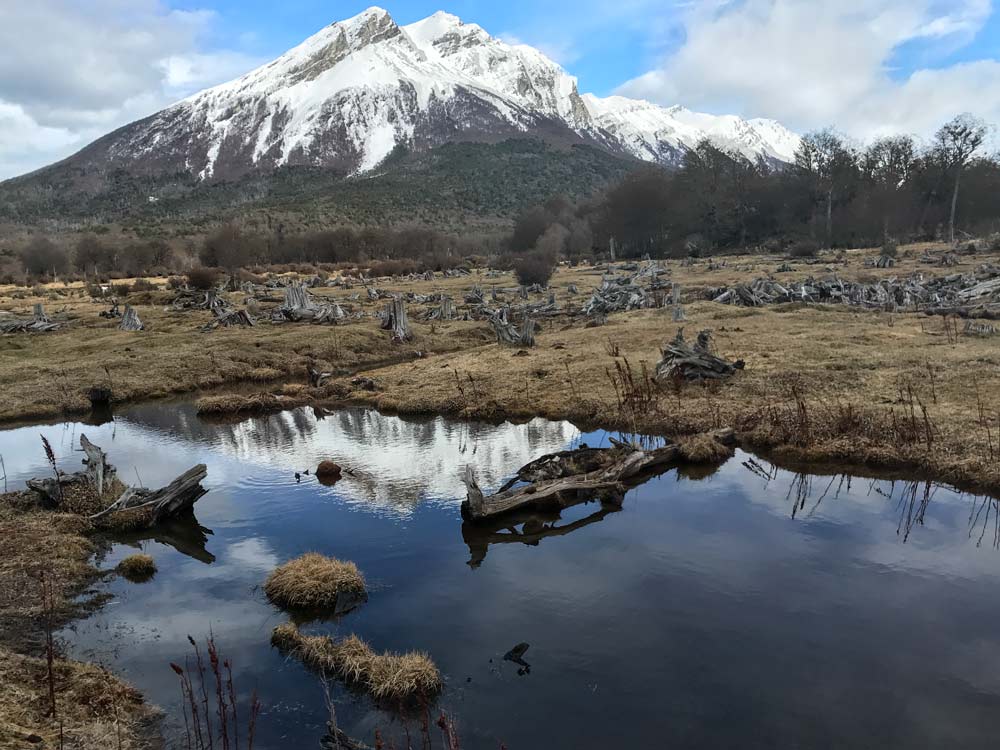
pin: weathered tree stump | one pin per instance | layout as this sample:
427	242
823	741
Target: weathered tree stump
130	320
394	319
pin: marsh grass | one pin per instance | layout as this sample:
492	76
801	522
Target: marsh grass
138	568
388	677
315	582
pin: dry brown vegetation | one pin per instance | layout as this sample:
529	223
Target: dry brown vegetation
314	581
388	677
822	382
44	565
138	568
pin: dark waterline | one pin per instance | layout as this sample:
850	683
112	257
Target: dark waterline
748	608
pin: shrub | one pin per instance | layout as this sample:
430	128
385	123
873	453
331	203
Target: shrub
143	285
120	290
890	249
175	282
993	243
202	278
534	268
804	248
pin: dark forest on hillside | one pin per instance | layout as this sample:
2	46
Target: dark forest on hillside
834	195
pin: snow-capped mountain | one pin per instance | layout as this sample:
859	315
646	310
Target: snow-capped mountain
352	94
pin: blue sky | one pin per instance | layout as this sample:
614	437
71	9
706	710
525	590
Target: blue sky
602	47
73	70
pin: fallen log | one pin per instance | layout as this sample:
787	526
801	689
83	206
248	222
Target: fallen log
564	477
147	508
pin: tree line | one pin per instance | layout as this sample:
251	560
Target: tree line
835	194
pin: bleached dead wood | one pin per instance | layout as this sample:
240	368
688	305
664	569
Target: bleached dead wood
688	362
508	333
155	506
39	323
564	476
394	319
130	320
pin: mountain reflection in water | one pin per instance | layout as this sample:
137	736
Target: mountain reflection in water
738	606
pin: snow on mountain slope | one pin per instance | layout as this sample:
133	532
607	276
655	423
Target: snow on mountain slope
352	93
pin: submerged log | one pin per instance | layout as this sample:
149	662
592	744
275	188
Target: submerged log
558	480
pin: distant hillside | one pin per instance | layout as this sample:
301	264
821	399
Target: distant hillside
452	186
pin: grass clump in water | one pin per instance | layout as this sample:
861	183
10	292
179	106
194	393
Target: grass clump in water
389	677
703	449
137	568
315	582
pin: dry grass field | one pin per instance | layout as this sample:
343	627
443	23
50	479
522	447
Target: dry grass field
822	382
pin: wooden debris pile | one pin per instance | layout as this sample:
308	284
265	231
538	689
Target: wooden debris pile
566	478
617	295
508	333
39	323
693	362
961	294
300	306
194	299
229	319
136	507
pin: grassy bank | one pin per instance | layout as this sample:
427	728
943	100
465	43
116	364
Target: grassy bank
45	571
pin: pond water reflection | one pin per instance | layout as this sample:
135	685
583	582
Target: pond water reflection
748	607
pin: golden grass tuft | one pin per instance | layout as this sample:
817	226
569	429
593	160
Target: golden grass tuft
389	677
138	568
315	582
703	449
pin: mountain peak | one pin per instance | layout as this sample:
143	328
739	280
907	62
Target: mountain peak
350	95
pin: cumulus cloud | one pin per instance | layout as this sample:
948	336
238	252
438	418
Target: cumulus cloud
813	63
72	71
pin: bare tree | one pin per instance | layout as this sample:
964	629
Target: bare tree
830	162
887	166
954	145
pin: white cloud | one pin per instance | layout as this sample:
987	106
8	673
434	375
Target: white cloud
72	71
812	63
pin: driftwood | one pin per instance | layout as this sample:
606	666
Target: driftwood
508	333
39	323
228	319
688	362
130	320
158	505
446	310
148	507
317	377
299	306
558	480
193	299
394	319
